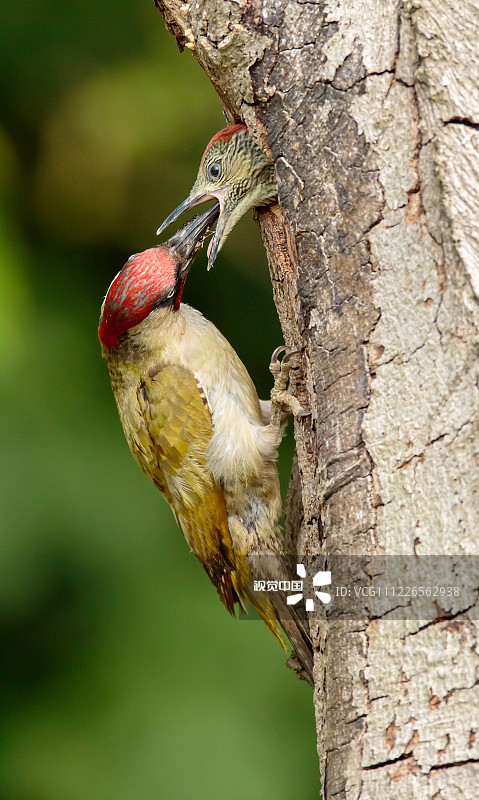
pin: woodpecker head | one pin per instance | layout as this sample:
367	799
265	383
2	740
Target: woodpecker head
152	279
235	171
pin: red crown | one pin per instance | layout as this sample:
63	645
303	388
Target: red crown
224	136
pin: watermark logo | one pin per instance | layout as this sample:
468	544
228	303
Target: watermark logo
361	587
321	578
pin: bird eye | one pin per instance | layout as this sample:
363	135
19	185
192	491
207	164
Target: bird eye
214	170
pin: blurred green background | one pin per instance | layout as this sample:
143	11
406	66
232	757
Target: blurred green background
122	676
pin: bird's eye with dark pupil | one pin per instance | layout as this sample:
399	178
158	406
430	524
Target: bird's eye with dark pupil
214	170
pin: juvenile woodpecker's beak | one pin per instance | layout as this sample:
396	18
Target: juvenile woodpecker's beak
188	240
191	201
195	199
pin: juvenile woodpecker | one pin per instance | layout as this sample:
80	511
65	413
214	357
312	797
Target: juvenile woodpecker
195	426
235	171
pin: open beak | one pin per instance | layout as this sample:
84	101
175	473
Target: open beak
193	200
217	240
187	241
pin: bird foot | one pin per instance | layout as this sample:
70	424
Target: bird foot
282	400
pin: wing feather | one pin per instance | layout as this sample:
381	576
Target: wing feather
177	422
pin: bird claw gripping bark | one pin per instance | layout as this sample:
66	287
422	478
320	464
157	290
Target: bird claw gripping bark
281	399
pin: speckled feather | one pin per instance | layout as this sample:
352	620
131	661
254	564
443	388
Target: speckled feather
246	170
235	171
247	179
223	135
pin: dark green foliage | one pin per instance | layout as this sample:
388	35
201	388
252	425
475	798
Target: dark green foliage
122	676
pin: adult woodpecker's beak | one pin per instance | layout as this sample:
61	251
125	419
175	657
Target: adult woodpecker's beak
187	241
195	199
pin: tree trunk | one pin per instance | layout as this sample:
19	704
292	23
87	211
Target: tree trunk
370	111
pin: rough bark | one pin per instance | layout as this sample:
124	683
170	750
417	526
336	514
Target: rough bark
370	111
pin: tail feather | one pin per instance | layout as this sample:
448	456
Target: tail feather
297	633
274	610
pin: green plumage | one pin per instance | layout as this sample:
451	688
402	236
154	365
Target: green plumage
170	446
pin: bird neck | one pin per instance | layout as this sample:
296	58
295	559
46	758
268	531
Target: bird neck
147	341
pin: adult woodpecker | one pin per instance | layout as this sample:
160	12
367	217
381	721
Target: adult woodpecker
195	426
236	172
